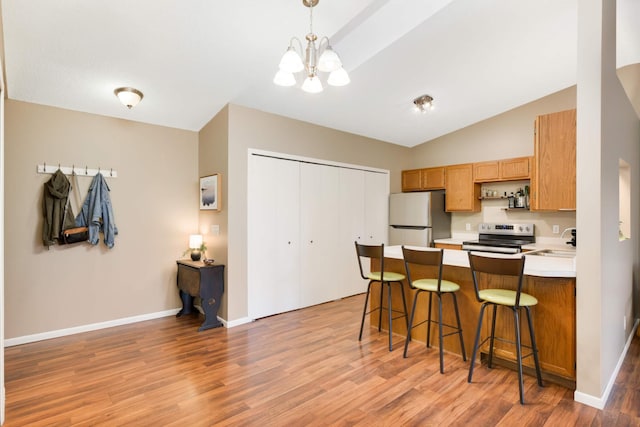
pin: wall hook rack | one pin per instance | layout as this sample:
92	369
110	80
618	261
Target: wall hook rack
68	170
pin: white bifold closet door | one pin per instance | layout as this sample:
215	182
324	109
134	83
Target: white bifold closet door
303	219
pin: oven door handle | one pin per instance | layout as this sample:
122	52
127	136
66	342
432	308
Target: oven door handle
495	249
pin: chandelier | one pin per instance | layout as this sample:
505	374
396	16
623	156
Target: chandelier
321	58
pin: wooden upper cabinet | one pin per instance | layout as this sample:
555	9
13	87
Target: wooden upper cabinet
462	194
503	170
433	178
553	184
412	180
486	171
513	169
423	179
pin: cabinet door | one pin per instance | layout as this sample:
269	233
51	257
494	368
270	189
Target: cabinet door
412	180
319	223
462	193
513	169
376	213
273	264
486	172
433	178
553	185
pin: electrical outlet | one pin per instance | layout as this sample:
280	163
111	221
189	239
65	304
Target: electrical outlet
468	227
556	229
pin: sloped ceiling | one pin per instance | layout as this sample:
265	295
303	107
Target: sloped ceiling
192	57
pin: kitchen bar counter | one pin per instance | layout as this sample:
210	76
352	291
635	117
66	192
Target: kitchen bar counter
534	265
550	280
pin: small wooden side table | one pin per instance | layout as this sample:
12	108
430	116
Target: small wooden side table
196	279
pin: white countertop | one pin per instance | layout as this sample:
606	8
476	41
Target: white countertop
534	265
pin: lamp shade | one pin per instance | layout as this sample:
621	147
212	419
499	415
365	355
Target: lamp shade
129	96
195	241
291	62
284	78
312	84
329	60
339	77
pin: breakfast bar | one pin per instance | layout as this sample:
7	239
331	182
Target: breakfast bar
550	279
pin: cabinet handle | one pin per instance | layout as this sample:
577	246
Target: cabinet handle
289	242
310	241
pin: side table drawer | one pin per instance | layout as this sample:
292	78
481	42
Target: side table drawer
189	280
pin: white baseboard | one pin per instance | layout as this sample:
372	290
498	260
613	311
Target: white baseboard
600	402
237	322
86	328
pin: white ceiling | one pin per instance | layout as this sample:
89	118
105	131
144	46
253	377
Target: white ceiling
192	57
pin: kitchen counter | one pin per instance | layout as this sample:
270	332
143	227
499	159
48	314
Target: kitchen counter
539	266
551	280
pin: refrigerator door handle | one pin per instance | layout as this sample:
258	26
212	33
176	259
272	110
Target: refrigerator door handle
410	227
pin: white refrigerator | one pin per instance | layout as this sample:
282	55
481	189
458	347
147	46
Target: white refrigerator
417	219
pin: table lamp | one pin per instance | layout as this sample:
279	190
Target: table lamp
195	244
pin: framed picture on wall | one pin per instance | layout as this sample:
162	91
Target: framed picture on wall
210	197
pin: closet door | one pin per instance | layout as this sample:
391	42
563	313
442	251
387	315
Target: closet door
319	221
352	229
273	266
376	207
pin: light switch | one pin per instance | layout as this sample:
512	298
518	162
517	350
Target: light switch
215	229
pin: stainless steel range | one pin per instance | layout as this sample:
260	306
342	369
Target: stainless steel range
501	238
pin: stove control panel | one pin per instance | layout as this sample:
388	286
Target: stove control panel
506	229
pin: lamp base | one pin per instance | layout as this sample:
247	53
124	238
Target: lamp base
195	255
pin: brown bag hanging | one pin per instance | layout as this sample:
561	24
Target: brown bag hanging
71	233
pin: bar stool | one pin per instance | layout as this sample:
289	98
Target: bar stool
437	286
385	278
513	299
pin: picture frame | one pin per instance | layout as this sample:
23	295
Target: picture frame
210	192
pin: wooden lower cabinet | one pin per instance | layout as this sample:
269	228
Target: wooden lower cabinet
448	246
554	319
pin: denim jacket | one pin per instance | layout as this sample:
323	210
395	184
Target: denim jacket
97	213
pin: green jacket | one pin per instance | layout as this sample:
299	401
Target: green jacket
56	192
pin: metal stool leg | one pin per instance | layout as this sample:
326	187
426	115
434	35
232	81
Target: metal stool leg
364	312
516	319
477	340
404	304
380	314
493	335
455	306
413	312
429	322
389	310
440	343
534	346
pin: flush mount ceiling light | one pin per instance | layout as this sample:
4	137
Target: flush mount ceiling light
129	96
321	58
423	103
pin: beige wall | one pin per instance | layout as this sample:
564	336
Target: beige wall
607	269
213	158
501	137
250	128
155	201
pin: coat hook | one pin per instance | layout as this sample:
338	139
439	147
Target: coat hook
111	172
73	169
86	172
45	167
58	165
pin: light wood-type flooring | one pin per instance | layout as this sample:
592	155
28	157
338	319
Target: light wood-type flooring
303	368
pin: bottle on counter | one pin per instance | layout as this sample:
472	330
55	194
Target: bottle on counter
512	201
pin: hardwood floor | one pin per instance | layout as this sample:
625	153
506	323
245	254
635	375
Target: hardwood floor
300	368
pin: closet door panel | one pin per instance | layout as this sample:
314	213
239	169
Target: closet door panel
352	229
376	207
274	243
319	222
